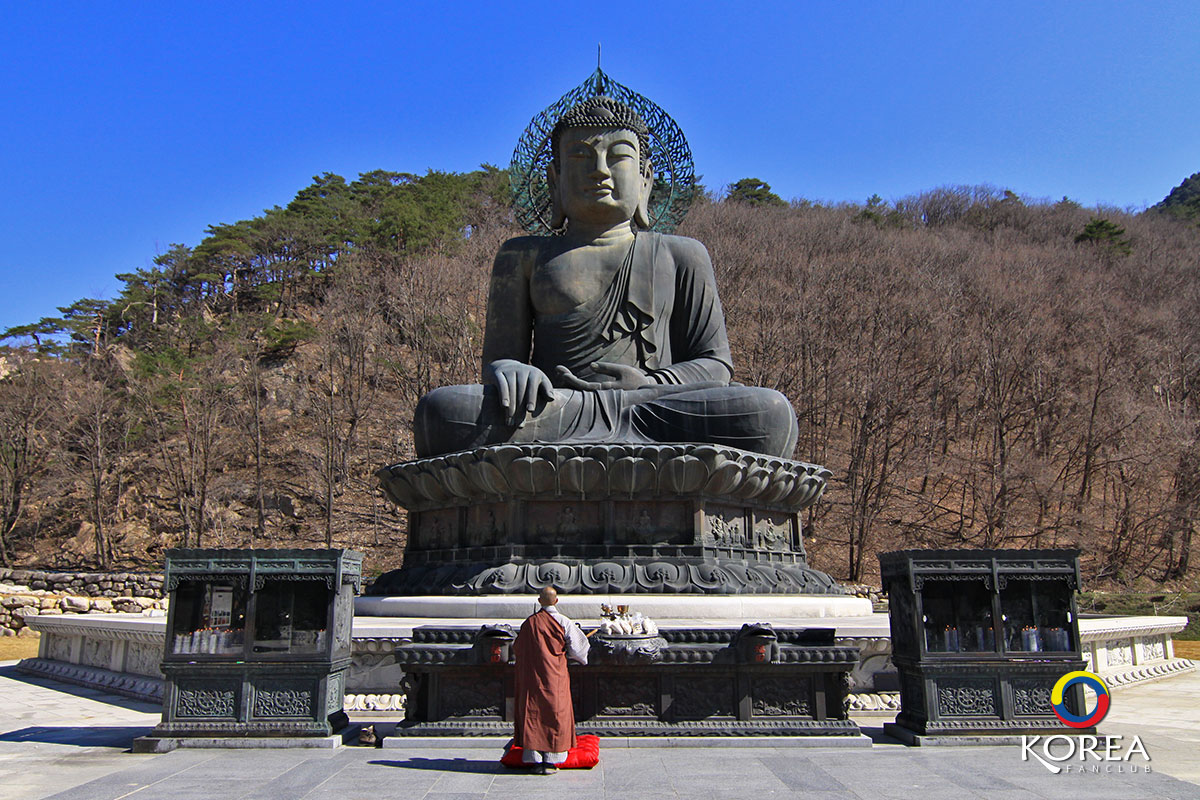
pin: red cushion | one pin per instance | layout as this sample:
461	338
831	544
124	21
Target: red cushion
584	755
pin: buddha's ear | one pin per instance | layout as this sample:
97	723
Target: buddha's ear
558	217
641	215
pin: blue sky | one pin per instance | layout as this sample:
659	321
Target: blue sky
129	126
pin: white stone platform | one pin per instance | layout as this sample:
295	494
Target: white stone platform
732	609
121	652
1129	650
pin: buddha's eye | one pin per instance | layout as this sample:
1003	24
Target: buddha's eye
621	152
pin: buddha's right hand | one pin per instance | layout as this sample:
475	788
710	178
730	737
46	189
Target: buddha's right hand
519	385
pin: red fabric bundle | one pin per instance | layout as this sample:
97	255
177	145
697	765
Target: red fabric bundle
584	755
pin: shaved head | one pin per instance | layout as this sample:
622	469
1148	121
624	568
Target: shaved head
548	596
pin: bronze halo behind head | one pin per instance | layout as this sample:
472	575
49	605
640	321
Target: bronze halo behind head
665	147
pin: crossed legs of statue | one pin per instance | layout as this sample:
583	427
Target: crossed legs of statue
455	418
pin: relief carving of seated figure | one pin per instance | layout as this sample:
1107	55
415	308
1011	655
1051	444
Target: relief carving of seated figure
606	333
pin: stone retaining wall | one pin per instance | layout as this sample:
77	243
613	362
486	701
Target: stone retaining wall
32	593
87	584
878	597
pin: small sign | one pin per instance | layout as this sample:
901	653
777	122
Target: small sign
222	607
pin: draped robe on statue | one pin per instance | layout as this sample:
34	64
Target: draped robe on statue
660	313
543	717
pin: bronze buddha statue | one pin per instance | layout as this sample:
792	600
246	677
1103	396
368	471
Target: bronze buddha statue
606	332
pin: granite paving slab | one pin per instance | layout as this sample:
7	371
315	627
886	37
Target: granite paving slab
71	744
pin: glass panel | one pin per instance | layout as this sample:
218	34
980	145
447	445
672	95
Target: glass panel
958	617
938	605
290	617
1037	615
973	610
1052	604
1021	634
210	619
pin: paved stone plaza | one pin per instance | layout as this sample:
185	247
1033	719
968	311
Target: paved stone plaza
59	741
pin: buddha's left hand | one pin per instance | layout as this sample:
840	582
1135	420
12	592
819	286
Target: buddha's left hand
624	376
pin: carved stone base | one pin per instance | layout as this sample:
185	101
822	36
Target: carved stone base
165	744
1149	672
140	687
670	572
605	519
272	729
679	609
722	727
874	703
999	732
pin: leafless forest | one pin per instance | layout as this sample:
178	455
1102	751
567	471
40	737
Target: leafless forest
977	371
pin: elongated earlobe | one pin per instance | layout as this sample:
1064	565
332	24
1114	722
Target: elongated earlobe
558	217
641	214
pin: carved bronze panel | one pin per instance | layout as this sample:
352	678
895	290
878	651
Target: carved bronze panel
1032	697
438	529
471	697
649	523
701	697
774	531
203	702
563	523
487	525
725	526
282	699
627	697
782	697
967	697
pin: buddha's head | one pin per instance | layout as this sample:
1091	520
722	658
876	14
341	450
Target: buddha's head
600	171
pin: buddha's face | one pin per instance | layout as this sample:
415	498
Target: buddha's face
600	179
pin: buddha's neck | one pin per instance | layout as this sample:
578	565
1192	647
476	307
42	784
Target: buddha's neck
600	235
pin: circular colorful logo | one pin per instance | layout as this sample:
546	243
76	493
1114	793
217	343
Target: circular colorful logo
1058	698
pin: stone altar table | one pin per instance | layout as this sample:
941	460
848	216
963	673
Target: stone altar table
694	682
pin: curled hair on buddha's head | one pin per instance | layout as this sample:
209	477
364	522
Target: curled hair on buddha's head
602	112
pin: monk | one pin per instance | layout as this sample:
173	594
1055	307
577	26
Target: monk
544	719
606	333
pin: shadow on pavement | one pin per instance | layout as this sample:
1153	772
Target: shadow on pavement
878	737
99	695
493	767
79	735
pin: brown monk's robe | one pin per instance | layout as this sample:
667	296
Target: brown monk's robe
543	716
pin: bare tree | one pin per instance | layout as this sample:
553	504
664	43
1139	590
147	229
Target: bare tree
97	434
188	412
29	397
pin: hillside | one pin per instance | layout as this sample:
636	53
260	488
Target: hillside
1183	201
976	369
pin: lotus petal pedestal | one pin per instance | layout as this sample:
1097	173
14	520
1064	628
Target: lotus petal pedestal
604	519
